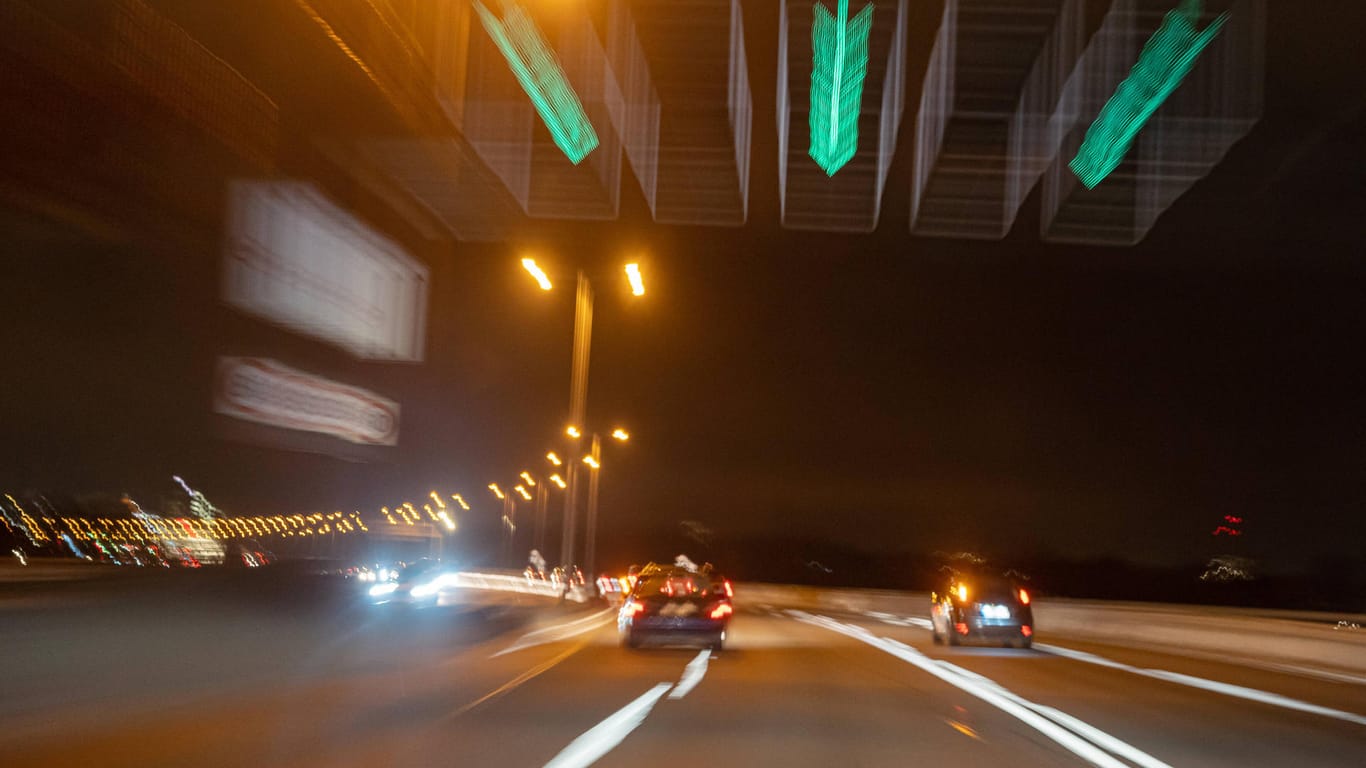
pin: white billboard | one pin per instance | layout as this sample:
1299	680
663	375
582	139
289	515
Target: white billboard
295	258
267	392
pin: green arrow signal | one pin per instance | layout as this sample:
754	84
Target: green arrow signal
539	73
839	53
1165	61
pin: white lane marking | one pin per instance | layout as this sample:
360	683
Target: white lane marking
1027	712
899	621
558	632
692	675
603	737
1228	689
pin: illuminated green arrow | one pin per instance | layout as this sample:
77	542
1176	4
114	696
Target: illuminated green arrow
539	73
839	61
1165	61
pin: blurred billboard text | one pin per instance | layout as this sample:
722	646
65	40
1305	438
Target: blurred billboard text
296	259
266	392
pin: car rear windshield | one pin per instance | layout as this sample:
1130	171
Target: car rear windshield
674	584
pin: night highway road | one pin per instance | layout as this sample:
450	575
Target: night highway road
524	684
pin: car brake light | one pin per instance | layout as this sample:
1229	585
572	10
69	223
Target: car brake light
635	608
1027	630
1024	597
960	628
729	592
722	610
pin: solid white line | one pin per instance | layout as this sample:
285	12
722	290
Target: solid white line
558	632
603	737
1228	689
692	675
995	695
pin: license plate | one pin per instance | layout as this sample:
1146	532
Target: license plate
992	611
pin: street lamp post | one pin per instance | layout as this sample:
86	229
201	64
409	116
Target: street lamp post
578	386
594	462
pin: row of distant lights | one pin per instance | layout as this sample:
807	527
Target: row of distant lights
410	515
153	529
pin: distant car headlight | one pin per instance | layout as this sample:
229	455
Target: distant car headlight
379	590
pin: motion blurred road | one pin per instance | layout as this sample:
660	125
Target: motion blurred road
300	672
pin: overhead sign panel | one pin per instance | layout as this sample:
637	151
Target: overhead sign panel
841	94
295	258
267	392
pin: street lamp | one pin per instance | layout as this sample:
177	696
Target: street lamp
553	459
538	273
633	277
573	432
497	491
594	460
528	479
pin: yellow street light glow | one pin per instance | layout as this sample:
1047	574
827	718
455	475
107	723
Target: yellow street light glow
633	275
530	481
573	432
592	462
437	498
496	490
538	273
557	480
461	501
621	434
521	491
554	459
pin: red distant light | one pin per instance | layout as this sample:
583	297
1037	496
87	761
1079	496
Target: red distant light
960	628
1027	630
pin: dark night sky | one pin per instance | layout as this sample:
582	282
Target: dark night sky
885	392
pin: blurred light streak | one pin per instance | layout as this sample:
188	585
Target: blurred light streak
633	277
1164	63
553	459
537	273
540	75
839	52
496	491
522	491
557	480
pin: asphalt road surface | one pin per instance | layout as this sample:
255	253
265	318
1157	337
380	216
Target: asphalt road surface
163	682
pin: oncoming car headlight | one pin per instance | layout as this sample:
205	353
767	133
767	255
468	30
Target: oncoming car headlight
380	590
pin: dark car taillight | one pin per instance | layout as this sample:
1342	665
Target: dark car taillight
722	610
634	607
